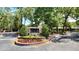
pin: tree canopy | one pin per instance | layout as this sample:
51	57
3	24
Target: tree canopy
51	16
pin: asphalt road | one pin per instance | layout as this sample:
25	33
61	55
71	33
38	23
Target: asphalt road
66	45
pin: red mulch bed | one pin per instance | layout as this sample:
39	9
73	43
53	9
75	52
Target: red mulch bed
24	42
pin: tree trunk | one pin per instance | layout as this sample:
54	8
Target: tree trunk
57	29
21	22
64	25
66	17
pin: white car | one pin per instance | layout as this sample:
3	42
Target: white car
56	37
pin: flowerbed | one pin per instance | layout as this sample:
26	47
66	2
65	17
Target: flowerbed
29	40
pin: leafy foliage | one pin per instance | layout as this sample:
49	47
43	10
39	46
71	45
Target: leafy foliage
45	31
51	16
23	31
77	22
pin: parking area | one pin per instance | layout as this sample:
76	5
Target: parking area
65	44
7	45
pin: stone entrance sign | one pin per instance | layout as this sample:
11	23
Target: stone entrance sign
34	30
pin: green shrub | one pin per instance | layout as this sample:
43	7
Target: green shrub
45	31
23	31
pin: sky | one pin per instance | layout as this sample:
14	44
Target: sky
27	22
13	9
70	19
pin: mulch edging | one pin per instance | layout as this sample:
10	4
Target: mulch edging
26	44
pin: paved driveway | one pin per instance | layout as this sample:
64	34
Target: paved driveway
67	45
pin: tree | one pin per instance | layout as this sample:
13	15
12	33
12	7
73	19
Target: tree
6	18
41	14
77	22
24	12
23	31
51	16
76	13
16	23
67	11
45	31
